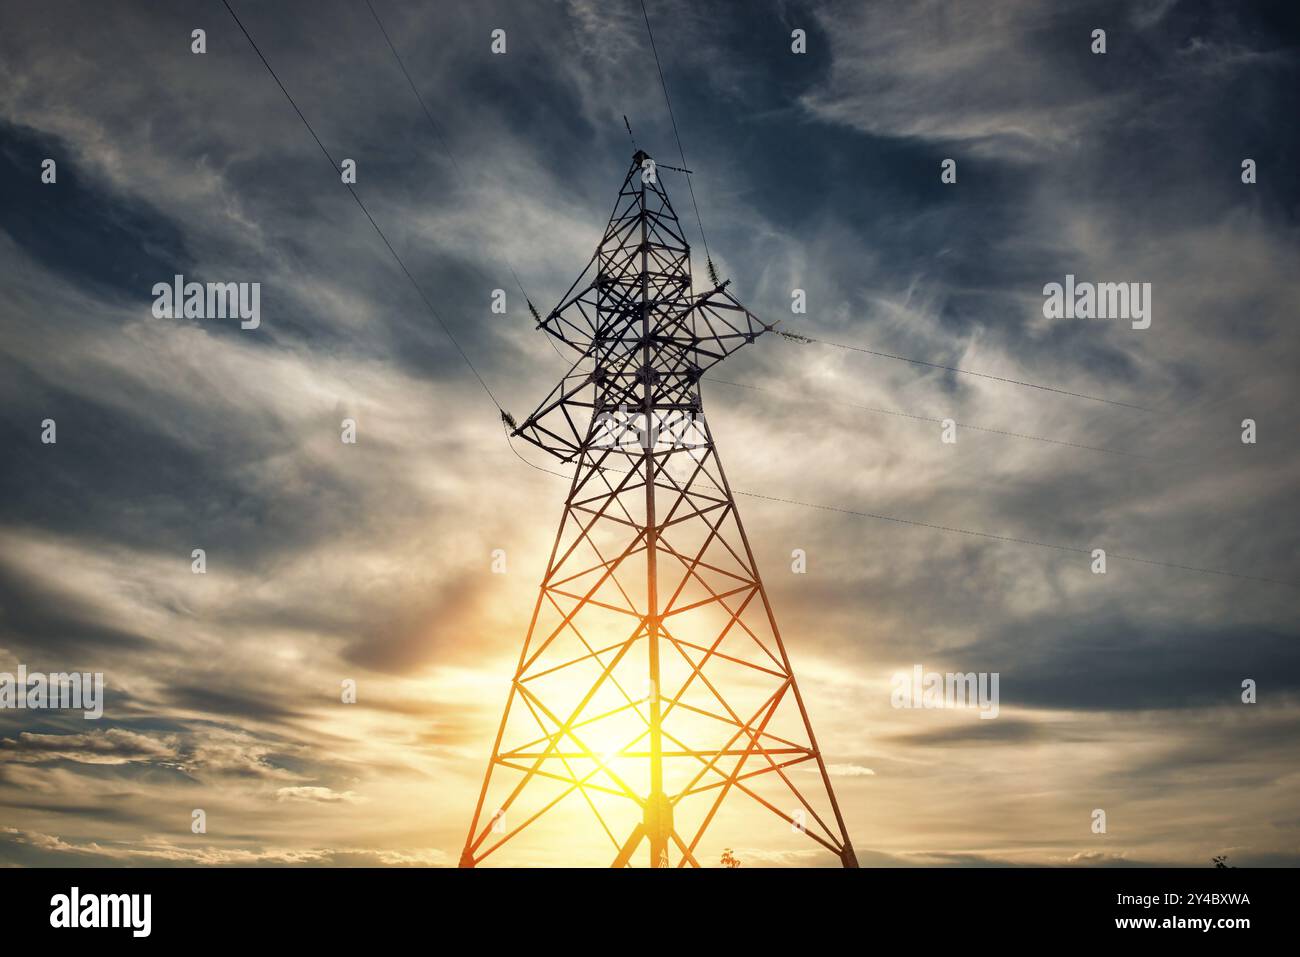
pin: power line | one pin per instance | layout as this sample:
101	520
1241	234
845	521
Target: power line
398	259
796	337
916	523
664	84
1018	541
926	418
442	136
919	418
437	128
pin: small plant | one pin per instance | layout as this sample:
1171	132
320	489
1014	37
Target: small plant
729	859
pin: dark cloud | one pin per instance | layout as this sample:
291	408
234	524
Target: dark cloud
229	703
78	231
998	731
1113	663
50	626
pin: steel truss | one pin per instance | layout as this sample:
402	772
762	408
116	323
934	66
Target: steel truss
653	683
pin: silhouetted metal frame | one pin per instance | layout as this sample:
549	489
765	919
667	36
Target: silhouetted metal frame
691	334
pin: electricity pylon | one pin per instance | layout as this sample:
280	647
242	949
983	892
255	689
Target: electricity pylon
653	684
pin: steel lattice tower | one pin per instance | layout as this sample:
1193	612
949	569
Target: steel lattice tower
653	683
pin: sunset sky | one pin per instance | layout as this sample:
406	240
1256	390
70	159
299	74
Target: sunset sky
372	562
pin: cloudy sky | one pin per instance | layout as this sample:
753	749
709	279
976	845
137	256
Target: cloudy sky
371	562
